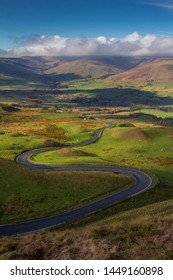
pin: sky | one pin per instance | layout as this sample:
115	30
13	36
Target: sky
86	27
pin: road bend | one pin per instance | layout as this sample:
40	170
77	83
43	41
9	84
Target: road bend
141	183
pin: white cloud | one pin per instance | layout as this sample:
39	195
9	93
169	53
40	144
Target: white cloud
133	44
148	40
102	40
132	37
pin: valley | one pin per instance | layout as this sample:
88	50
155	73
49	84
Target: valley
62	101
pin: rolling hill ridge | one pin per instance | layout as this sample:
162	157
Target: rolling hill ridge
157	71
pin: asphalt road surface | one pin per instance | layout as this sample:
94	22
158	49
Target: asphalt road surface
141	183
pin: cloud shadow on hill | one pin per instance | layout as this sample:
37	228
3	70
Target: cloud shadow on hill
122	97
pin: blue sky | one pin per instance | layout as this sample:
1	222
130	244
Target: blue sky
83	18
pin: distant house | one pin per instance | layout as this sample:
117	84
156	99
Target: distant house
85	117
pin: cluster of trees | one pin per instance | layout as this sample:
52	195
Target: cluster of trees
149	117
167	109
165	122
9	108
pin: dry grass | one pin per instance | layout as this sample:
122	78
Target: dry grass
149	237
163	161
132	134
71	152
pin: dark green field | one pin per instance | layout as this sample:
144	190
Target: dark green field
28	194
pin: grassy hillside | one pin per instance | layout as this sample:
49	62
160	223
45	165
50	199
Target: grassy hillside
161	112
31	129
142	232
19	71
37	71
148	148
44	103
156	76
28	194
33	81
84	68
132	226
147	84
159	70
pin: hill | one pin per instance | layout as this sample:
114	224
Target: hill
94	66
153	73
37	68
101	80
155	77
84	68
20	71
19	67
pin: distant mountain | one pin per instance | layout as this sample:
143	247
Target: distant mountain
95	66
158	71
41	68
18	70
125	80
84	68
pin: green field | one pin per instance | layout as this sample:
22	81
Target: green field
147	148
60	108
154	112
31	129
136	229
28	194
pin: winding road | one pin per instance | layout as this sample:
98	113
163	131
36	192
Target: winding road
142	182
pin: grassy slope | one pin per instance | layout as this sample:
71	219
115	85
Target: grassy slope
151	111
150	78
155	77
37	126
140	233
84	68
29	194
132	226
148	148
29	129
140	228
146	84
104	92
161	70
